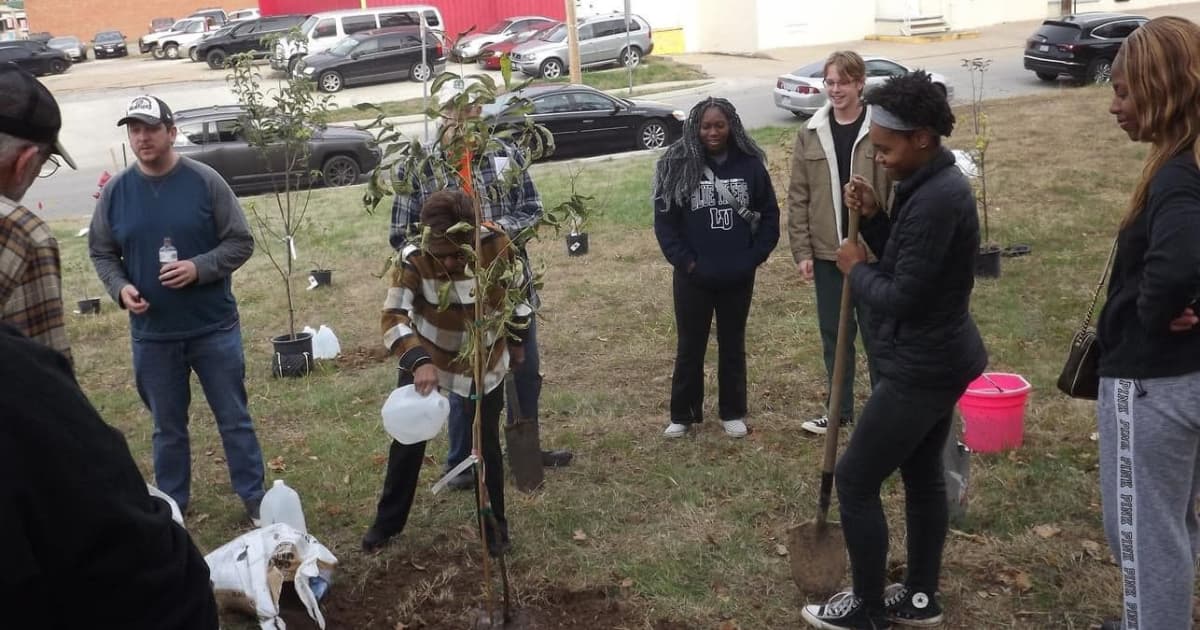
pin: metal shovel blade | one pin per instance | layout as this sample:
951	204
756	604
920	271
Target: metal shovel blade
817	553
523	441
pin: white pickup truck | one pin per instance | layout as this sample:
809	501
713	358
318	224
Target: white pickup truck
178	40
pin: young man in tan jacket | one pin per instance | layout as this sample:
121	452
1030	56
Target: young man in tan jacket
829	149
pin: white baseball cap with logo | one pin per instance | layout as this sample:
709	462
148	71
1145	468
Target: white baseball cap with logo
150	110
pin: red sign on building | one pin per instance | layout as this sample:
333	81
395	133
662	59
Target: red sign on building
458	14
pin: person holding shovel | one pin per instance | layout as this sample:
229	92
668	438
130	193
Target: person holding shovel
927	349
716	220
829	149
427	336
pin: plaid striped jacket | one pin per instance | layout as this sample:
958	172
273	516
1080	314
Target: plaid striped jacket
31	277
415	330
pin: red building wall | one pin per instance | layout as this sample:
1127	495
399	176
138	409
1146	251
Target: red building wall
459	14
85	18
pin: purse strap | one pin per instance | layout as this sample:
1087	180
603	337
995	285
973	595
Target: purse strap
1091	312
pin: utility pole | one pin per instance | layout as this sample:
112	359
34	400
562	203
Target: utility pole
573	43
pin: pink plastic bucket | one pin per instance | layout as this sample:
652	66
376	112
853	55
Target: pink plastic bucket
993	411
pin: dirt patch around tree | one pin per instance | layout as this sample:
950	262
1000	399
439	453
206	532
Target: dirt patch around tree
429	590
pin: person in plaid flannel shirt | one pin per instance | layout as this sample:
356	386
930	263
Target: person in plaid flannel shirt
513	207
30	269
427	336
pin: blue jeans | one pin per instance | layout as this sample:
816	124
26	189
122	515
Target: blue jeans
529	389
163	371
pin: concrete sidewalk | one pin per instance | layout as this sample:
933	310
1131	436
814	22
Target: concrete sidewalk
992	41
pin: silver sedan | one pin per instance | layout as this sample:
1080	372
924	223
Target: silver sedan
802	91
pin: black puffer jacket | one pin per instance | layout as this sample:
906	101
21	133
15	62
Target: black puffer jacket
919	292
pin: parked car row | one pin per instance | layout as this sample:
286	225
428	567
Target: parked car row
213	135
170	39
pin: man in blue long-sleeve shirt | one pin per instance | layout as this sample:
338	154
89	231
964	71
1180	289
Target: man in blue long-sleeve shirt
182	313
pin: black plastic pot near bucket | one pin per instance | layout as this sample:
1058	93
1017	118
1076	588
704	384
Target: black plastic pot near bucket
90	306
577	244
987	262
293	356
322	277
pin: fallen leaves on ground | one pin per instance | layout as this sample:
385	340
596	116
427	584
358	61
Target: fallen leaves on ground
579	536
276	464
1047	531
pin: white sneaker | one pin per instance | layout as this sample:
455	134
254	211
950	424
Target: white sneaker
675	430
735	428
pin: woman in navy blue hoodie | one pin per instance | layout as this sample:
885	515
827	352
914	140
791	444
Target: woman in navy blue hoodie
716	220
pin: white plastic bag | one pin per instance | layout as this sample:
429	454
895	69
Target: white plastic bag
248	573
176	515
325	344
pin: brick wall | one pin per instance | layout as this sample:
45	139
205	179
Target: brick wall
85	18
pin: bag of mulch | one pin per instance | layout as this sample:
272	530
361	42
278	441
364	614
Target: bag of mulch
248	573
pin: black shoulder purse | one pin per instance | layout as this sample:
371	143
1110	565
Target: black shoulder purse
1080	377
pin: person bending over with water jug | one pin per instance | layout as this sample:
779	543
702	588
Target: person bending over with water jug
427	340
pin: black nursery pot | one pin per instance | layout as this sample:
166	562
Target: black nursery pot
90	306
577	244
987	262
324	277
292	356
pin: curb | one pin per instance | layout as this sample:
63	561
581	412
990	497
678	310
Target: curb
923	39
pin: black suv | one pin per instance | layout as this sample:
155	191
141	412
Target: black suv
383	54
251	36
34	57
1081	46
213	135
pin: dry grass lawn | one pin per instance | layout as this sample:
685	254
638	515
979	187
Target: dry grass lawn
687	530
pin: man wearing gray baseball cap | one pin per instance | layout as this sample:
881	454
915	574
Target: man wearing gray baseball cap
30	271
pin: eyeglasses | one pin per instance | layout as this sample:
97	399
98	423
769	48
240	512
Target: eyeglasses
833	84
49	167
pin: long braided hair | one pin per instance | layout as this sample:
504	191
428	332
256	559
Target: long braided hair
678	172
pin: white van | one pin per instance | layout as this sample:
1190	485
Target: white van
323	30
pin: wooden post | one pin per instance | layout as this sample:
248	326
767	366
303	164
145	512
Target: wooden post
573	43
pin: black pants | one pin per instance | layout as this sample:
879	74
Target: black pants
900	427
694	307
404	470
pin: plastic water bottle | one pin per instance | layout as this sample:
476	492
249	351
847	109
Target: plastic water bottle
281	504
167	253
411	418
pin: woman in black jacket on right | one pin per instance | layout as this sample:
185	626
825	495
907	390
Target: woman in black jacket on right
927	350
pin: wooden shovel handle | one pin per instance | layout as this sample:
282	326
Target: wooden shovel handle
837	386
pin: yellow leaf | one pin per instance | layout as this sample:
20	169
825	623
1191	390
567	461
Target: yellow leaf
1047	531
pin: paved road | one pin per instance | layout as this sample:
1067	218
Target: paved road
90	114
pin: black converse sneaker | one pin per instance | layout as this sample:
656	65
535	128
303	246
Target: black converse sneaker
844	611
906	607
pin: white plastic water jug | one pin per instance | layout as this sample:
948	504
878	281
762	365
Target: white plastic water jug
325	344
281	504
410	417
